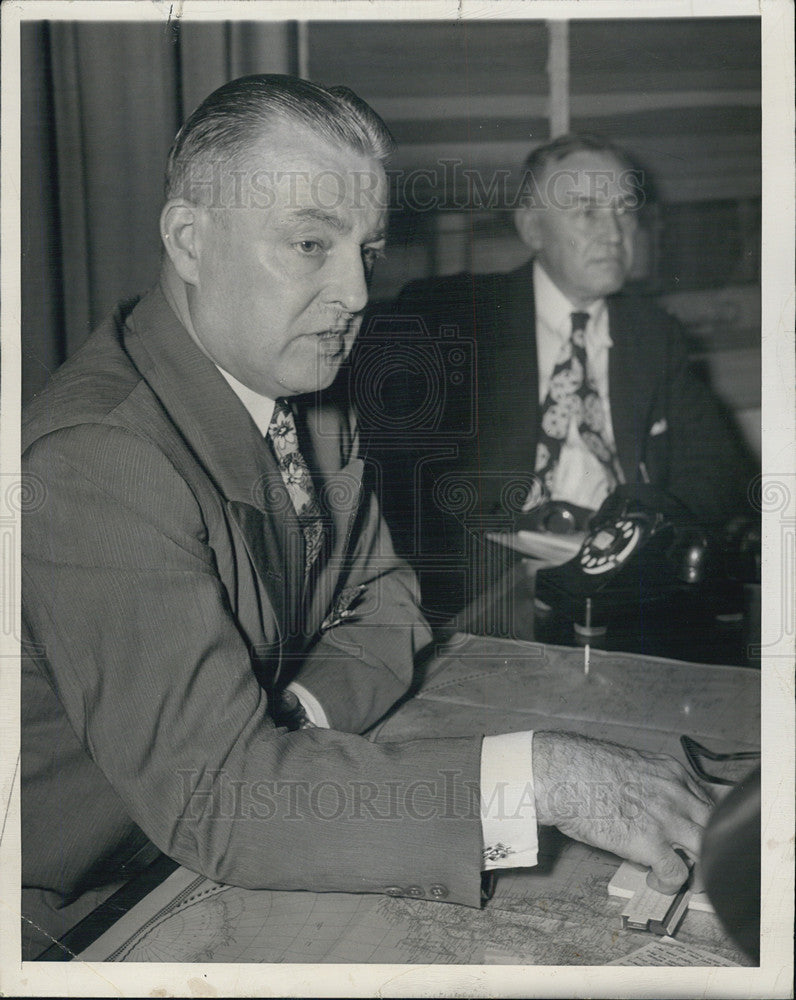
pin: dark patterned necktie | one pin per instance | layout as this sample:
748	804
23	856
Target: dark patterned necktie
297	479
572	395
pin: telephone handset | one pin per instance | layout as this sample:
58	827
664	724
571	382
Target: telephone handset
642	545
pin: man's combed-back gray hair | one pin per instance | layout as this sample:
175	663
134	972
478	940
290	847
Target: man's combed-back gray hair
233	118
544	158
553	152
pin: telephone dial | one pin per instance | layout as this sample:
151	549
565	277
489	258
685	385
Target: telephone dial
640	547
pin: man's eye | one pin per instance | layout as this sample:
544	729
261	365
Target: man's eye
627	210
309	248
371	254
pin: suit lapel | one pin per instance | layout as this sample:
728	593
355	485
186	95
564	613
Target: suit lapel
340	486
341	479
225	440
266	548
630	397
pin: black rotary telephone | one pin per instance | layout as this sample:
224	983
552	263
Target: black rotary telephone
641	546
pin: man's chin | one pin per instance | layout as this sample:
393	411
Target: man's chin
322	376
328	375
315	369
611	279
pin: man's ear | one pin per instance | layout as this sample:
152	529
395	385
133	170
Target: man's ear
526	220
179	230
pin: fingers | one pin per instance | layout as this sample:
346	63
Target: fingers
678	827
648	805
667	873
688	840
687	797
681	775
699	791
705	803
675	812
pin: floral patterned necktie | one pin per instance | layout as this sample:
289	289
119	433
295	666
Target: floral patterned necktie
297	479
572	395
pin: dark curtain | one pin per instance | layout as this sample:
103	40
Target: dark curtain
101	102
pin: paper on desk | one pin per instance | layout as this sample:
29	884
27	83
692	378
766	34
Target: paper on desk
666	951
545	545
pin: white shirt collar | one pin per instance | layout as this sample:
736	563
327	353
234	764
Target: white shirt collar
260	408
555	309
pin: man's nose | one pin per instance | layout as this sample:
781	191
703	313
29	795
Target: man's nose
611	226
347	285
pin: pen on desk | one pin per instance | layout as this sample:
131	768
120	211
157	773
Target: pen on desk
587	651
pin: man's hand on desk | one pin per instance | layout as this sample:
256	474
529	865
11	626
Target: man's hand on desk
641	806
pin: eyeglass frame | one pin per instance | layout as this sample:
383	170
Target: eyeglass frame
694	751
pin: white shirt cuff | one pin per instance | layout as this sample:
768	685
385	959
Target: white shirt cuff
312	706
508	805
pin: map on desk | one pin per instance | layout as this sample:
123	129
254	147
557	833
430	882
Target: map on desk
528	922
489	685
558	913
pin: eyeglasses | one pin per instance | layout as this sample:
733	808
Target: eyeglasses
695	753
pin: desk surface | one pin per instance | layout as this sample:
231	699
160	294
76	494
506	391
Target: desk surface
558	913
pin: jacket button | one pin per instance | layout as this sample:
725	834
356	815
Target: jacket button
394	890
414	890
438	891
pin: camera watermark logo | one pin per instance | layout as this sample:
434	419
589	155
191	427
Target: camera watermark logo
774	496
19	496
406	377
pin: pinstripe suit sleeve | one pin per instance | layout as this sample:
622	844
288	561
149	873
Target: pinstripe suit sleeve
121	591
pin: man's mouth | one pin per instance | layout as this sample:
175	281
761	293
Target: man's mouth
340	331
332	344
335	343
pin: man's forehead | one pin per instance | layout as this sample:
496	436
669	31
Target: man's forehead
589	160
587	174
287	149
371	220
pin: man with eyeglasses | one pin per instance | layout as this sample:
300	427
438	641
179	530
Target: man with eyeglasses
576	388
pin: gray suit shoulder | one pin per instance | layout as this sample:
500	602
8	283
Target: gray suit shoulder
88	388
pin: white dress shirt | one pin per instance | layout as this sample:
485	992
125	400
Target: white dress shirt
579	477
508	807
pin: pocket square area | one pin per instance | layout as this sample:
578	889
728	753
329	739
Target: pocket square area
344	605
659	427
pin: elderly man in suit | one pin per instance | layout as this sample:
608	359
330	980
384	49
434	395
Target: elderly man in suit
576	388
214	610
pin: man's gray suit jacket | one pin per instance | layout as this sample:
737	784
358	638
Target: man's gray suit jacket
164	600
